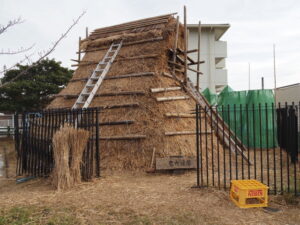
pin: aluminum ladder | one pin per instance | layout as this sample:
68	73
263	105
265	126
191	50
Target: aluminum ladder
95	80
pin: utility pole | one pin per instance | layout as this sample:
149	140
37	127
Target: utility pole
86	32
248	76
198	56
262	83
274	64
185	45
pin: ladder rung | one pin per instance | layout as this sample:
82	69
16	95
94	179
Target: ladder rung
97	77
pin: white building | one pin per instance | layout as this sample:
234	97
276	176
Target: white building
288	94
213	51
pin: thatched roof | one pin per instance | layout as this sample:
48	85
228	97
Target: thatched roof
136	115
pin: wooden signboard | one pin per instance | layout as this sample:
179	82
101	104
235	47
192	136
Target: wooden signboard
176	162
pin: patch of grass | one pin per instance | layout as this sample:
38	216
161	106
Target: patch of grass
15	216
32	215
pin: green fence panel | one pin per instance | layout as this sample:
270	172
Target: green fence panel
232	112
262	131
257	124
210	97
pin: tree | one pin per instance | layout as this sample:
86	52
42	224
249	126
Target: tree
32	90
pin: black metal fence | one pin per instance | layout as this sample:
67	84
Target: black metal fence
33	140
270	146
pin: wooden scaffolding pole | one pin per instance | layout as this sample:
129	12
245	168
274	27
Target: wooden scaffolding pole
86	32
185	47
198	58
175	45
79	51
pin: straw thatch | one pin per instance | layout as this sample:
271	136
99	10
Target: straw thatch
145	49
68	146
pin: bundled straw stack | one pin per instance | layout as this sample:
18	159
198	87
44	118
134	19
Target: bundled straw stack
68	147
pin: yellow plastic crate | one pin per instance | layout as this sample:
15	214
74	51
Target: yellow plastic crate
249	193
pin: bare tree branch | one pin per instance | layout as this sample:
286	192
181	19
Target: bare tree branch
46	53
14	52
10	24
18	63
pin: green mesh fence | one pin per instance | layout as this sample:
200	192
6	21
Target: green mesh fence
210	97
249	114
262	119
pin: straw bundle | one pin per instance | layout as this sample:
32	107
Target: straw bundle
68	147
77	142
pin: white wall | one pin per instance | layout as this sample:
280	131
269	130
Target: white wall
213	52
288	94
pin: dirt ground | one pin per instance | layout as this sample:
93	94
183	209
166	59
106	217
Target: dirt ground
133	198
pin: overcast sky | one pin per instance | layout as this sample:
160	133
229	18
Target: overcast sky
255	26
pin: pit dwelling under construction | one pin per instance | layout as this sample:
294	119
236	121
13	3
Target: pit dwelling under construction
143	97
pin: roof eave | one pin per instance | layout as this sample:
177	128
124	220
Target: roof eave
222	28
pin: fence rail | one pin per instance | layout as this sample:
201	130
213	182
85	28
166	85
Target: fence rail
33	139
271	138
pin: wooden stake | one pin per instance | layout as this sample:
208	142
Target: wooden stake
196	71
190	64
167	75
79	51
182	115
175	45
185	47
192	51
198	58
157	90
172	98
153	157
